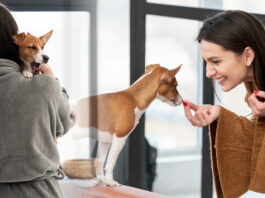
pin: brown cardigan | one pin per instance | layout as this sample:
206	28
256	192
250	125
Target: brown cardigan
238	153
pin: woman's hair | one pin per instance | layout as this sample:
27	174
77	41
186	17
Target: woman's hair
8	28
234	31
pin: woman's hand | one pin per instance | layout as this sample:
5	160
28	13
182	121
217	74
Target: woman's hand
204	114
257	107
46	69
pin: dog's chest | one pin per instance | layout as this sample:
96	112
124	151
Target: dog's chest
138	115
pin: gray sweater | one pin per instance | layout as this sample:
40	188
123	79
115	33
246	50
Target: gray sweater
32	112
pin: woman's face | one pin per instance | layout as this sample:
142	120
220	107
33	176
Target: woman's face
227	67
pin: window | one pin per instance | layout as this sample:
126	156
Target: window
193	3
255	6
171	42
166	126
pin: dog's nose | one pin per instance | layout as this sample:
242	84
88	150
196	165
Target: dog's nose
45	58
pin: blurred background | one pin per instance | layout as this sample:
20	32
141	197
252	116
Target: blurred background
90	52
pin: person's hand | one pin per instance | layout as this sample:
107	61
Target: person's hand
46	69
257	107
204	114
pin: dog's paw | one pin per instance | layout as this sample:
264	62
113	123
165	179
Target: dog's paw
101	178
92	183
27	74
111	182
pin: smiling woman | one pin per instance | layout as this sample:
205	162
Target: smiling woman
242	34
232	44
227	67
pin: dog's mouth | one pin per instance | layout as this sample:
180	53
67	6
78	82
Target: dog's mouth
35	65
35	68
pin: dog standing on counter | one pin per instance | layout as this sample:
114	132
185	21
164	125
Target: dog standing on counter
113	116
31	52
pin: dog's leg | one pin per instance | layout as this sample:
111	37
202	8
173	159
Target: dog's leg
116	147
27	71
102	151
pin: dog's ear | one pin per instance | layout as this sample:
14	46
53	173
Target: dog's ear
173	72
46	37
17	38
166	77
149	68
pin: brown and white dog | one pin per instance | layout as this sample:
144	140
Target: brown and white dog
31	51
113	116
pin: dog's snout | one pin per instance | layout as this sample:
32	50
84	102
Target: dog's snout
45	58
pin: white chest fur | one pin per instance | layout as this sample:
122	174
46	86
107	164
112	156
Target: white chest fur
138	115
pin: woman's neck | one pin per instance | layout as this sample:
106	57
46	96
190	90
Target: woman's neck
250	75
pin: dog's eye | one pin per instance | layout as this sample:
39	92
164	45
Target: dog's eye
32	47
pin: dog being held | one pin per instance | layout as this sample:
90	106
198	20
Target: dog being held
113	116
31	51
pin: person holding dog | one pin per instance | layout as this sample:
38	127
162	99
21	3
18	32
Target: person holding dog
233	45
33	112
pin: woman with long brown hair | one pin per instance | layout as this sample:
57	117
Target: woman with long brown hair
233	45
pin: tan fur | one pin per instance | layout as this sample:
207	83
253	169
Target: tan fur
106	114
30	45
25	41
114	112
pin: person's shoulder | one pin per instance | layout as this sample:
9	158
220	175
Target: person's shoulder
46	83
